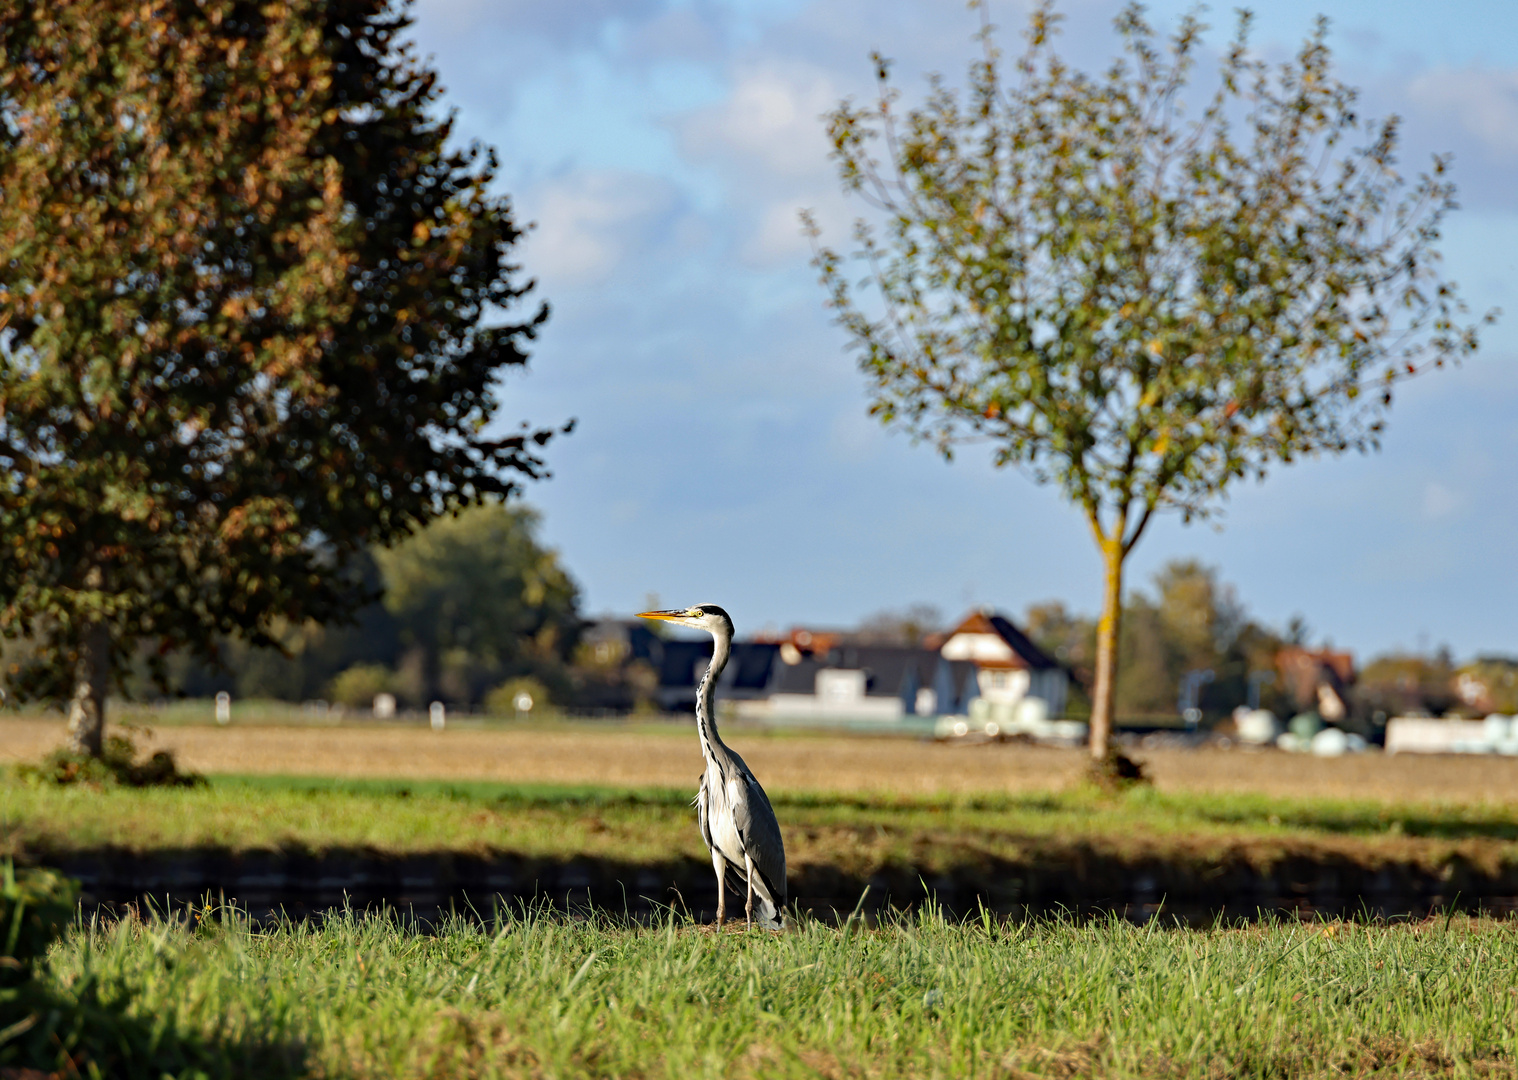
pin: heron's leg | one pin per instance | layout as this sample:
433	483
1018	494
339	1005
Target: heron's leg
719	864
748	907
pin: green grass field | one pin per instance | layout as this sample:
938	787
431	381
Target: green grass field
539	996
858	834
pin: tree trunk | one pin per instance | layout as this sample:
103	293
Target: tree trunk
1104	694
87	710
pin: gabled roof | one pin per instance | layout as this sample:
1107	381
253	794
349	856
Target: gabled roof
1024	654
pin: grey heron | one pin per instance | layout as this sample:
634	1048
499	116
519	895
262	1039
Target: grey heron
737	821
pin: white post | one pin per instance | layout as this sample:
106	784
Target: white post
223	708
523	703
437	714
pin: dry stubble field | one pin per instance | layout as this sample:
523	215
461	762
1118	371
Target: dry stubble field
611	753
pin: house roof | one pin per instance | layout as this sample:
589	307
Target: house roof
987	624
682	662
890	670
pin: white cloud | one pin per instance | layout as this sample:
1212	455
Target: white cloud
1440	501
1483	102
768	141
579	23
772	122
590	222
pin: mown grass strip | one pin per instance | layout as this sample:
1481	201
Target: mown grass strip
858	834
537	995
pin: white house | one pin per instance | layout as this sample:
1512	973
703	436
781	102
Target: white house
1008	667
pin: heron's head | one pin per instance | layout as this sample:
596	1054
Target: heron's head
708	617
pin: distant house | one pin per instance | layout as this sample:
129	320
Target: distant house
825	675
1008	667
867	682
1317	679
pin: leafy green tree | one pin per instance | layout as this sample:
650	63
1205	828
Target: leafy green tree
252	299
1191	621
1139	304
907	626
1404	683
476	600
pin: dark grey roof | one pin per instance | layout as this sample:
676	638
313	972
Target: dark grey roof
890	670
797	678
1031	654
681	662
756	670
752	666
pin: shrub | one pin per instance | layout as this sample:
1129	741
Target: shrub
117	764
502	700
357	686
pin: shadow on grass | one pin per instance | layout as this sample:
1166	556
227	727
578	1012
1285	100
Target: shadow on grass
87	1030
1442	823
83	1024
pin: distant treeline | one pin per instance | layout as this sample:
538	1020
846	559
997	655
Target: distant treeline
469	604
1192	622
474	608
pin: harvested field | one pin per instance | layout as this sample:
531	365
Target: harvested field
627	755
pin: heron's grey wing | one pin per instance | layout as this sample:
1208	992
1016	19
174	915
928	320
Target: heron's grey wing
701	803
761	836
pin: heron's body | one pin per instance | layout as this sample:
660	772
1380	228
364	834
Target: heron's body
737	821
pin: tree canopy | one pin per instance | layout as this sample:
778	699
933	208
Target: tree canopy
477	599
1134	294
468	602
253	303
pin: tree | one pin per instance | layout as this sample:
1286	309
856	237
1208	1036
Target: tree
477	600
1191	622
1136	306
253	304
1402	683
905	627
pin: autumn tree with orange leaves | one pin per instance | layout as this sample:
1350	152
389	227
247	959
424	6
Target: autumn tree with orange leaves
1138	295
252	305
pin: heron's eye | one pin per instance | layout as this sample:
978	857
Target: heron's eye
694	613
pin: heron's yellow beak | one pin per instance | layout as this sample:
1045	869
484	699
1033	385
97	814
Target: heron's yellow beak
667	616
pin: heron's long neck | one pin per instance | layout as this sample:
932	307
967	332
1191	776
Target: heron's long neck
706	715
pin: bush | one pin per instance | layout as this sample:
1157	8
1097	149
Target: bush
117	764
502	700
357	686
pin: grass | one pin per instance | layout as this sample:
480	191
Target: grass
856	833
539	996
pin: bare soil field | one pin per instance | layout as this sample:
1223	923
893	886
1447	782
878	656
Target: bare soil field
620	755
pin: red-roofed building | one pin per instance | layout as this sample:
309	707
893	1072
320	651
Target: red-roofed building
1009	667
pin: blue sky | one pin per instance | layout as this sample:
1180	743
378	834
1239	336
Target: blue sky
723	451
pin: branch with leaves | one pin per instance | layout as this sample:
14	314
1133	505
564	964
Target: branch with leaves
1139	305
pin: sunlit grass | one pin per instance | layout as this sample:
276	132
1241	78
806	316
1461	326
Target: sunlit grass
537	995
856	833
